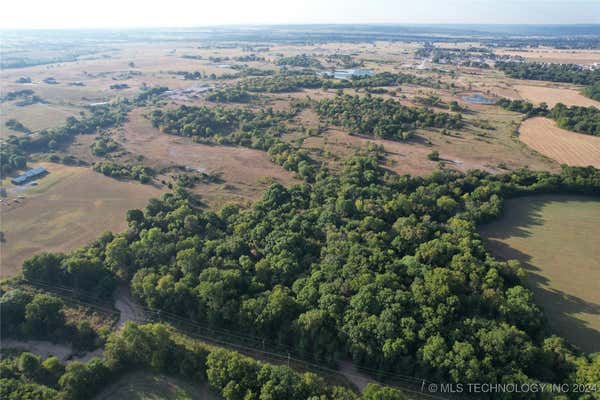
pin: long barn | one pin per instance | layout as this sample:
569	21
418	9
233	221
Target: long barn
28	175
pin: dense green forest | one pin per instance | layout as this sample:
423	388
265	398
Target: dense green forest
593	91
159	349
387	269
575	118
381	118
571	73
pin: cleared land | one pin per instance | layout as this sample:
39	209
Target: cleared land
69	207
244	173
553	95
564	146
556	237
150	386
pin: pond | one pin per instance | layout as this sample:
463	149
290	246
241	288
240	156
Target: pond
479	99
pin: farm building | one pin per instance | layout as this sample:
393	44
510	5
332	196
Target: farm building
32	173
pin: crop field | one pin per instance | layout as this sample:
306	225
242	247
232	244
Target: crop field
555	237
149	386
552	95
561	145
69	207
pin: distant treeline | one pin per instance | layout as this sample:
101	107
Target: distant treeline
571	73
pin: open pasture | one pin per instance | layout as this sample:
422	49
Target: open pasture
243	173
69	207
566	147
556	238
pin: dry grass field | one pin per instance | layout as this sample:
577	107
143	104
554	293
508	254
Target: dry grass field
556	237
244	172
69	207
552	95
564	146
552	55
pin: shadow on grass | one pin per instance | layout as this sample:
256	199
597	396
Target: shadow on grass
561	308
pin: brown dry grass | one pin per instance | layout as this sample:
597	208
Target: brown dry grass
553	95
70	207
555	237
564	146
245	172
552	55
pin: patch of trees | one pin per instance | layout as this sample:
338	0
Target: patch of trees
148	94
345	61
593	91
14	150
291	82
281	83
16	126
229	95
300	60
571	73
119	86
153	348
103	145
40	316
139	173
258	130
248	58
16	94
575	118
374	116
26	96
23	79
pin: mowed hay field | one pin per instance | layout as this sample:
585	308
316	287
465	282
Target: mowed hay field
564	146
556	237
148	386
553	95
69	207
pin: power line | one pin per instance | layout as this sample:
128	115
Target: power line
190	327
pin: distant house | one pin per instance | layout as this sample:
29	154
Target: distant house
28	175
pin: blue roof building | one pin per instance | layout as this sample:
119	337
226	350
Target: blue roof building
26	176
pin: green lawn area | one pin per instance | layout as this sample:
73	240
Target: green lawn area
557	239
144	385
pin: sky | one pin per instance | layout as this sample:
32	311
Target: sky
42	14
